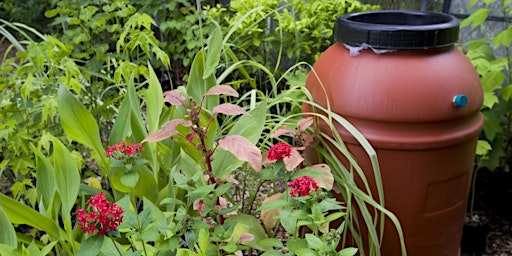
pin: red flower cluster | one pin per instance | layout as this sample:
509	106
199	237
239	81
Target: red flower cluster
302	185
122	149
104	218
279	151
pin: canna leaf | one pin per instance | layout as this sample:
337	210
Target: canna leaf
80	125
7	235
68	177
250	127
22	214
45	176
154	101
243	149
213	53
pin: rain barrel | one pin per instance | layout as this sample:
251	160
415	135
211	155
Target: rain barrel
400	79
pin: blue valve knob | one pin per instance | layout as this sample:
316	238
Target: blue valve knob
460	101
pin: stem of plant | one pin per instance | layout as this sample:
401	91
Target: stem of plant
115	246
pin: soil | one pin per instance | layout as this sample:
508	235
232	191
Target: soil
499	240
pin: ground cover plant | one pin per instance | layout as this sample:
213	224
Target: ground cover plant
102	160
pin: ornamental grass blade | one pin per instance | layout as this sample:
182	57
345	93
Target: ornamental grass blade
243	149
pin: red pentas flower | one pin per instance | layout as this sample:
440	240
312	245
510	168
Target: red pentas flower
279	151
302	185
121	149
104	217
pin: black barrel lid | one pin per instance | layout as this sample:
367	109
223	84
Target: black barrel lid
397	29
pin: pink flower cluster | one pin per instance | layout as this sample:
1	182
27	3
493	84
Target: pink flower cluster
122	149
104	217
279	151
302	186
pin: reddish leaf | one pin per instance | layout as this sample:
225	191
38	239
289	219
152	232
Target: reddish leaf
304	124
229	109
171	125
167	132
281	131
222	89
246	237
293	161
174	97
157	135
243	149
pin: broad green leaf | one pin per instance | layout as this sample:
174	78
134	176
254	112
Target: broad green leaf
9	250
80	125
21	214
122	126
247	224
138	128
249	127
45	175
68	177
130	179
213	53
7	234
197	86
154	99
91	246
313	241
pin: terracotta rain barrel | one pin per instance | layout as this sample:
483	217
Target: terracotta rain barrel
399	78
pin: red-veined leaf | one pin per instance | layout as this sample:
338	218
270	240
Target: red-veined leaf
168	131
174	97
304	124
229	109
243	149
293	161
282	131
222	89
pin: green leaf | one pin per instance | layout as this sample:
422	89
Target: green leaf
197	86
91	246
7	235
154	99
476	18
80	125
45	176
348	251
483	147
121	128
503	38
67	177
21	214
247	224
9	250
130	179
249	127
314	242
213	53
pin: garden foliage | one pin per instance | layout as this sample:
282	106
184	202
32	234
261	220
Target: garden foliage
102	160
492	58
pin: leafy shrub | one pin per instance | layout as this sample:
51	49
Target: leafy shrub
494	68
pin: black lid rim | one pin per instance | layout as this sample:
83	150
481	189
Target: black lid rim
390	29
